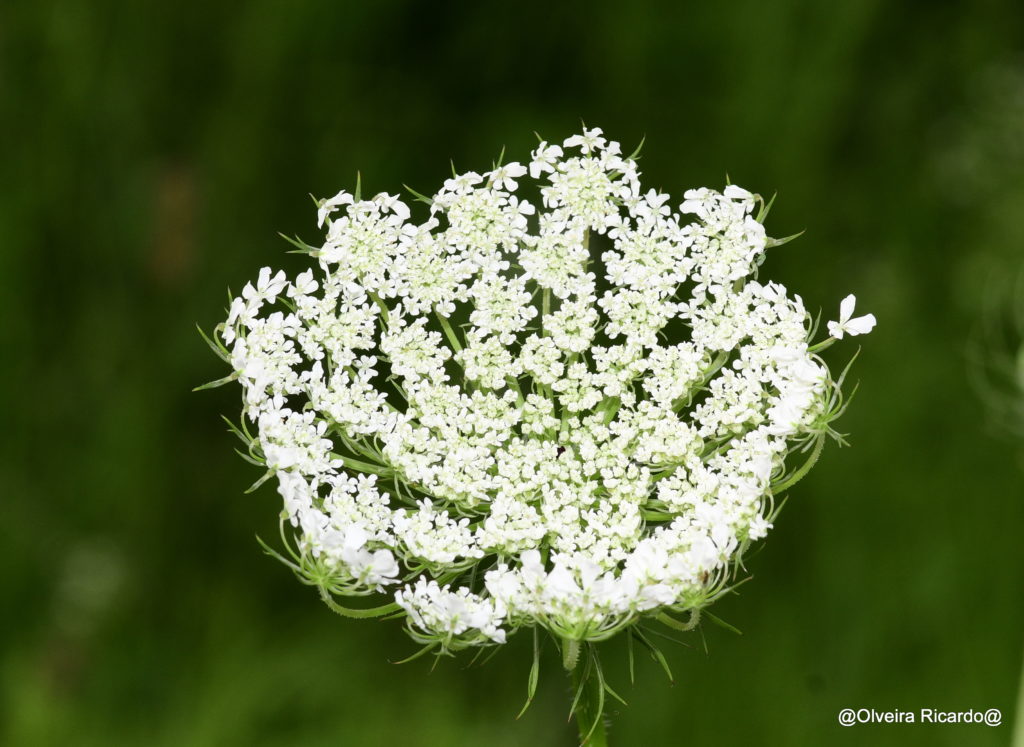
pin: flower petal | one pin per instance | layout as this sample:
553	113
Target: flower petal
861	325
846	308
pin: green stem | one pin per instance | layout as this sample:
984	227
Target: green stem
450	333
360	466
570	654
823	345
800	473
356	613
383	306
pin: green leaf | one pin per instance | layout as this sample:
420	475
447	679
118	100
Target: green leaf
636	153
603	682
425	650
256	485
219	350
579	686
778	509
599	710
249	459
846	369
275	554
779	242
418	196
655	653
762	214
723	623
531	684
217	383
232	428
299	244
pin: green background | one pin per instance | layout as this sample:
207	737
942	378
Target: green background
152	151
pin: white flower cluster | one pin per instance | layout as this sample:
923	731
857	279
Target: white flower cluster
485	415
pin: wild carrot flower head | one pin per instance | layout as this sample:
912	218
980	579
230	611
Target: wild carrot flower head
554	399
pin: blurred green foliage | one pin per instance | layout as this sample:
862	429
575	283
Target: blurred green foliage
152	151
